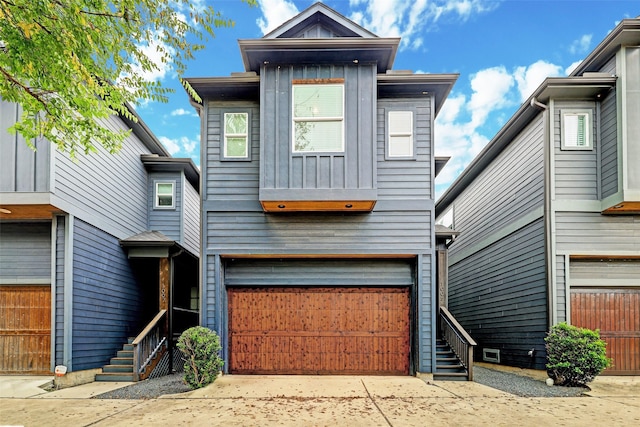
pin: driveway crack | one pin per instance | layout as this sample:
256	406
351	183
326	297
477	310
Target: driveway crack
376	404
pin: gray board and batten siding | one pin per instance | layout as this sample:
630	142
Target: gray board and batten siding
284	171
21	168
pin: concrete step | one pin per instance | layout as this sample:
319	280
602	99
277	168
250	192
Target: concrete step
127	347
115	377
117	369
453	376
124	353
121	361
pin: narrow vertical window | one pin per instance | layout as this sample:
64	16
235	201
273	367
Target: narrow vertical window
236	135
165	195
576	133
400	139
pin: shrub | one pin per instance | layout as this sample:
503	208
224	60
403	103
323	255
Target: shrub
575	355
200	347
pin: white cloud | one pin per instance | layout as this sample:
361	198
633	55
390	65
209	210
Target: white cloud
465	125
530	77
183	145
581	45
490	87
572	67
183	112
275	13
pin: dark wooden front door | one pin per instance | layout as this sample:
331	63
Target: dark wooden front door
25	329
319	330
616	313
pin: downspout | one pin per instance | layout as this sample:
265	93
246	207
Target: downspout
548	230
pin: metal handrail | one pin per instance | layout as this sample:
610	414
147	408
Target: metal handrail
147	344
458	339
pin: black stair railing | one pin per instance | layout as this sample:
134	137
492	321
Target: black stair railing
458	339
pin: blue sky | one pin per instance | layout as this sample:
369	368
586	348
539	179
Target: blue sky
502	49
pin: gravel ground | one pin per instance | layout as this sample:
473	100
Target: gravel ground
149	389
511	383
521	385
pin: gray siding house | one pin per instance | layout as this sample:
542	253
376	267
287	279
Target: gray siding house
549	216
318	236
91	250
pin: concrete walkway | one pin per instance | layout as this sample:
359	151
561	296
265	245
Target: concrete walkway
328	401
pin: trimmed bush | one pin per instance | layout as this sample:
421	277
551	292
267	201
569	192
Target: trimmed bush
202	362
575	356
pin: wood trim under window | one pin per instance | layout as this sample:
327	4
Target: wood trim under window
317	81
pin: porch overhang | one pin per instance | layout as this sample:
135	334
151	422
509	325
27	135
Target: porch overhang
150	244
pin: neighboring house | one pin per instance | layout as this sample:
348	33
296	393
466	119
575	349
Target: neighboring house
318	235
549	215
91	250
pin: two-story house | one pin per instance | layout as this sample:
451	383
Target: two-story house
549	215
91	250
318	235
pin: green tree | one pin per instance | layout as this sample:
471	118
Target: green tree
72	63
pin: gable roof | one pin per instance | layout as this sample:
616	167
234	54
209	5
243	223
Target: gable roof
342	41
323	15
585	82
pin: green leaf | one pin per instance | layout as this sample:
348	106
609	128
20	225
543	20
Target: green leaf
71	64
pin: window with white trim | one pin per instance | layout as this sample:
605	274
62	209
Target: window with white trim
576	130
236	136
400	137
318	118
164	195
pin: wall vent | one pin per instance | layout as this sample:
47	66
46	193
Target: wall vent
491	355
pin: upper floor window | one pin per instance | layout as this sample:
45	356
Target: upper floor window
576	130
236	136
318	117
165	194
400	137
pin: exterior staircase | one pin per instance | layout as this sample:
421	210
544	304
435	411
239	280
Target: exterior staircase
448	365
120	368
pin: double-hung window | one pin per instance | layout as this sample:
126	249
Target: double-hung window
400	137
318	118
576	130
236	136
164	195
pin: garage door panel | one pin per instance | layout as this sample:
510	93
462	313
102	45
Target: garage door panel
616	313
319	330
25	329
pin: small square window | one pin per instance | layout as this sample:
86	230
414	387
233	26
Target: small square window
165	195
400	138
236	136
576	130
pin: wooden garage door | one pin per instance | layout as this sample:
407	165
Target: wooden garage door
319	330
616	312
25	329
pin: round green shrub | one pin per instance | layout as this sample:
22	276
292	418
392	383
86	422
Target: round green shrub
200	347
575	356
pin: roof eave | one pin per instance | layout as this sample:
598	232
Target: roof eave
191	172
438	85
551	88
257	52
627	32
